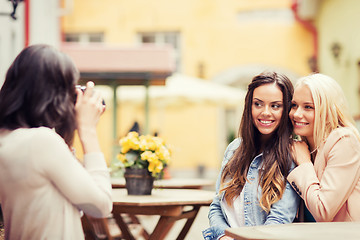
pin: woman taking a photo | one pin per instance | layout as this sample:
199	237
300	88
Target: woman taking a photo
328	173
43	187
252	188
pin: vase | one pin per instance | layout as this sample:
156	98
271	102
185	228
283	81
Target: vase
138	181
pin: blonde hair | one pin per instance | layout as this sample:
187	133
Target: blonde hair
331	108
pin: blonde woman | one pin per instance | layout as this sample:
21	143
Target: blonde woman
328	173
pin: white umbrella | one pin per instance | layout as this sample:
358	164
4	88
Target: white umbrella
180	88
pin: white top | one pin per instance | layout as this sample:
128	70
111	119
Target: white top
235	213
43	186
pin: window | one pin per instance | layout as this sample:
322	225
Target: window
160	38
84	37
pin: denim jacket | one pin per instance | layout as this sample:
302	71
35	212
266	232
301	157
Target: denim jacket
283	211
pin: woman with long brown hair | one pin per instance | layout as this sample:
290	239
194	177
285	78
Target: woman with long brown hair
252	187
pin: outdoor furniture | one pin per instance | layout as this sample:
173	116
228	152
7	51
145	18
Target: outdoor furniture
91	227
170	204
298	231
99	228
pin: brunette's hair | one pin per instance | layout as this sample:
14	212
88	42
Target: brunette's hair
39	90
276	159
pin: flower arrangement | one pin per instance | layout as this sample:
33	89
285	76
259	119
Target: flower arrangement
144	151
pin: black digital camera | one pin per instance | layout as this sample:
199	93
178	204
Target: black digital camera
83	88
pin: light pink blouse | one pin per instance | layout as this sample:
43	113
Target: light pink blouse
331	186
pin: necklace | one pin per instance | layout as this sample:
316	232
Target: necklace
313	151
312	156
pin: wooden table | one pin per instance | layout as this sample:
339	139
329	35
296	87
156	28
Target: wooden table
173	183
170	204
298	231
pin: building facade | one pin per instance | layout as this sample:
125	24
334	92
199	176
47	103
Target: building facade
224	42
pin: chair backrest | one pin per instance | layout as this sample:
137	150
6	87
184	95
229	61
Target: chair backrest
101	228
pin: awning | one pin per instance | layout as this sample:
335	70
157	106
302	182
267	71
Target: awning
113	65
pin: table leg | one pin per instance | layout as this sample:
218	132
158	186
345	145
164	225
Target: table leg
123	226
188	223
135	220
162	228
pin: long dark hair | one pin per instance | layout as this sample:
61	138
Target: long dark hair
276	158
39	90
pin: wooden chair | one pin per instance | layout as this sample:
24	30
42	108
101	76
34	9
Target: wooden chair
106	228
100	228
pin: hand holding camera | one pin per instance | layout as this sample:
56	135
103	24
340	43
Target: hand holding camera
83	88
89	107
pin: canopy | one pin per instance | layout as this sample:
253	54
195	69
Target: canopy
114	65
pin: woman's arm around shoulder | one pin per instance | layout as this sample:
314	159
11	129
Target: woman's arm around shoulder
326	185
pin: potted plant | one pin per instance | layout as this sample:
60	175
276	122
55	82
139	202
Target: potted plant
144	158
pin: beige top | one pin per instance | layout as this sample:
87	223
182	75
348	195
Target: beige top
331	186
43	186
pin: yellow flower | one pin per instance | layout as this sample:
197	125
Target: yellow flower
144	151
159	142
130	142
150	143
155	166
133	135
163	153
149	156
121	157
143	143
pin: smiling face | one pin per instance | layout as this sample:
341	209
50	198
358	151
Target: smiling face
267	109
302	113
